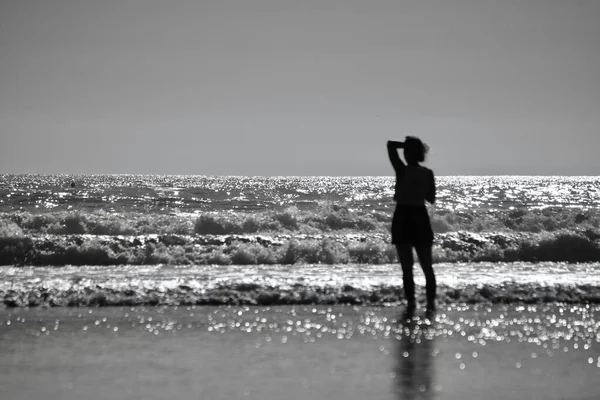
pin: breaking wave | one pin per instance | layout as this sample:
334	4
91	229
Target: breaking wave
327	217
256	295
85	249
312	284
331	235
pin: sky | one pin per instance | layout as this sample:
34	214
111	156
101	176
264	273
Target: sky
287	87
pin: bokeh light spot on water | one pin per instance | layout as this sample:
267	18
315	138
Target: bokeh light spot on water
546	332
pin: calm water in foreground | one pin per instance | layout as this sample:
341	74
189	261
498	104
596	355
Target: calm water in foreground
547	351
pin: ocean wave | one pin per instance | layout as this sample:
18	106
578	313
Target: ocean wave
361	248
327	217
75	295
292	284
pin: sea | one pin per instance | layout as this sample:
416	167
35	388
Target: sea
152	239
148	286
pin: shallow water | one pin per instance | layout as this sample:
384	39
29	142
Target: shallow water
549	351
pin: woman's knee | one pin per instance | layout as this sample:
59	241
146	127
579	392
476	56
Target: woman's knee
428	271
430	277
425	256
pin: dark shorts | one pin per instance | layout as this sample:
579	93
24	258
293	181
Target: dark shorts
411	225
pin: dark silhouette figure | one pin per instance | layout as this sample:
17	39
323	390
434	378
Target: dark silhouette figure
411	227
415	366
72	184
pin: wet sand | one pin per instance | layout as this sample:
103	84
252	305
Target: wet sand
548	351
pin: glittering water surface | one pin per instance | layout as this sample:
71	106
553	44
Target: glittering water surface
549	351
157	193
163	277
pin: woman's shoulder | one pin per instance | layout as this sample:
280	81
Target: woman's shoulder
415	171
424	170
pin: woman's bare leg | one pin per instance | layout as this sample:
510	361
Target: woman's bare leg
405	255
426	261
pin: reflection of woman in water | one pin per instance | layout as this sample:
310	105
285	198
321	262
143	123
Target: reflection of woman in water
411	227
415	366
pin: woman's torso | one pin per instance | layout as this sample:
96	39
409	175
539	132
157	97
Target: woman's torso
413	185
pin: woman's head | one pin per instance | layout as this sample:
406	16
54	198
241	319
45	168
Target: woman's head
414	150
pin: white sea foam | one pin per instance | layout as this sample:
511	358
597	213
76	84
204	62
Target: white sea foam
280	284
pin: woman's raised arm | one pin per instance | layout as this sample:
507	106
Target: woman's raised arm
392	148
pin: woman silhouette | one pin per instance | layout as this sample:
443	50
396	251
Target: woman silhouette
411	227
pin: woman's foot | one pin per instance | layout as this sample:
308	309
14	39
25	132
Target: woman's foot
408	315
409	311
